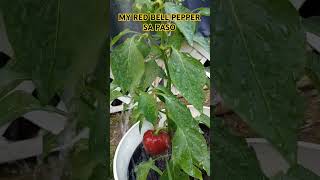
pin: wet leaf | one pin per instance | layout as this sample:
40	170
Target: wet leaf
188	76
127	65
202	41
187	141
176	39
147	105
152	71
187	28
259	50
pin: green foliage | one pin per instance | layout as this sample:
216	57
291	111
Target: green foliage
203	119
142	170
127	65
137	63
257	51
187	28
61	47
188	76
187	141
173	172
148	107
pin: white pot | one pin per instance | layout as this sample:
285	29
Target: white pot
131	140
270	160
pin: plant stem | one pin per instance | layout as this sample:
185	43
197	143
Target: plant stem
168	73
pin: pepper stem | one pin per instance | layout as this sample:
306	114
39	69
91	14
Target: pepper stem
158	130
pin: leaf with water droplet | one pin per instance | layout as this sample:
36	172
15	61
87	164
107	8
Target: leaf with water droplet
147	105
188	76
127	64
189	146
187	28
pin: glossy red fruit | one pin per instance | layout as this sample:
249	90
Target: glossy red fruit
156	144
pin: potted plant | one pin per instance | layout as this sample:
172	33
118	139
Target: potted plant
135	64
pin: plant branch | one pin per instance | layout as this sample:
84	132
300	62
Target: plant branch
167	70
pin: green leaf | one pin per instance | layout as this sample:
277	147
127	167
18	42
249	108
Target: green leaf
258	49
203	11
143	46
34	39
15	105
189	146
204	119
312	25
297	173
152	71
232	158
184	152
127	64
147	105
202	41
176	39
119	36
188	76
173	172
54	44
187	28
143	169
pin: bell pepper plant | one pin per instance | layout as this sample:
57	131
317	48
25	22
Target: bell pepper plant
142	58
